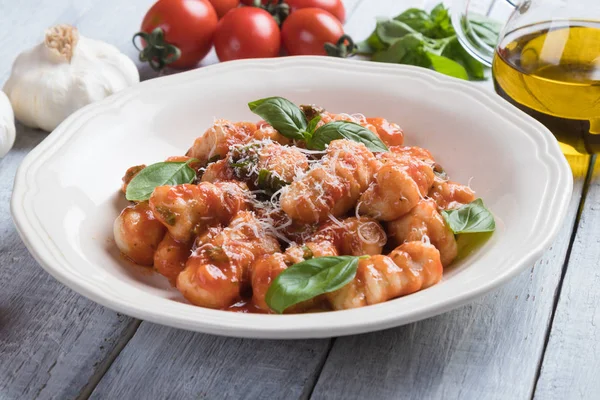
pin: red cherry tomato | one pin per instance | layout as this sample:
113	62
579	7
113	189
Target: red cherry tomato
251	2
306	31
187	24
247	32
223	6
335	7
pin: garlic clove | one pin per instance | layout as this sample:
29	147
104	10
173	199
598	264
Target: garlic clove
64	73
7	125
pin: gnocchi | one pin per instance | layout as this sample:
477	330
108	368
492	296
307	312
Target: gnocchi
261	201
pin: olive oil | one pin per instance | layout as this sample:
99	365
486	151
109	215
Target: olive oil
552	72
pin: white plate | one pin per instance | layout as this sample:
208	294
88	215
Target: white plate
66	191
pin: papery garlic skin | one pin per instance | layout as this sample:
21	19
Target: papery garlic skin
7	125
68	71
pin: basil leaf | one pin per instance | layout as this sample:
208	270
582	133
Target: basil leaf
243	160
269	182
470	218
456	52
440	23
390	31
487	29
375	43
282	114
436	24
163	173
313	124
467	244
410	50
447	66
438	12
428	40
345	130
365	47
435	46
416	18
309	279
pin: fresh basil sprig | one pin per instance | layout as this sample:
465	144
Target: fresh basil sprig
428	40
290	121
269	181
447	66
309	279
470	218
346	130
244	161
312	125
163	173
488	30
283	115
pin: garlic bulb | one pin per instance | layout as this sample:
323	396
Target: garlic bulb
7	125
66	72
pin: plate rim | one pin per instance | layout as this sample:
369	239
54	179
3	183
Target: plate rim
547	152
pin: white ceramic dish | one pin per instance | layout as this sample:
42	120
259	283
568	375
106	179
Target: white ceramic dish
66	191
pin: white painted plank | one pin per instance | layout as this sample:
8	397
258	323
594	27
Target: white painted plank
52	341
489	349
165	363
572	359
201	365
55	343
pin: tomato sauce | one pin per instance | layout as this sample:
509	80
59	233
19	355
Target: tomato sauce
246	307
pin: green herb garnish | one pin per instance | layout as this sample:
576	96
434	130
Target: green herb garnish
307	253
290	121
470	218
269	181
217	254
167	215
160	174
346	130
310	278
428	40
283	115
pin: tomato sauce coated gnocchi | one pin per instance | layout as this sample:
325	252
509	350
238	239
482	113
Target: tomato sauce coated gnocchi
260	201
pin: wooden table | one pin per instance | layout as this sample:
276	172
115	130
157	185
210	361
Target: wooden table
536	337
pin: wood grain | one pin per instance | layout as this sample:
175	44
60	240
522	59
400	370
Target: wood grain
210	366
486	350
57	344
52	341
572	359
166	363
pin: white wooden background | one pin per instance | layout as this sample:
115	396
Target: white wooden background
536	337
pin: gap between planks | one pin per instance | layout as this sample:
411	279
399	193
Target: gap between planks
557	292
312	383
122	341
